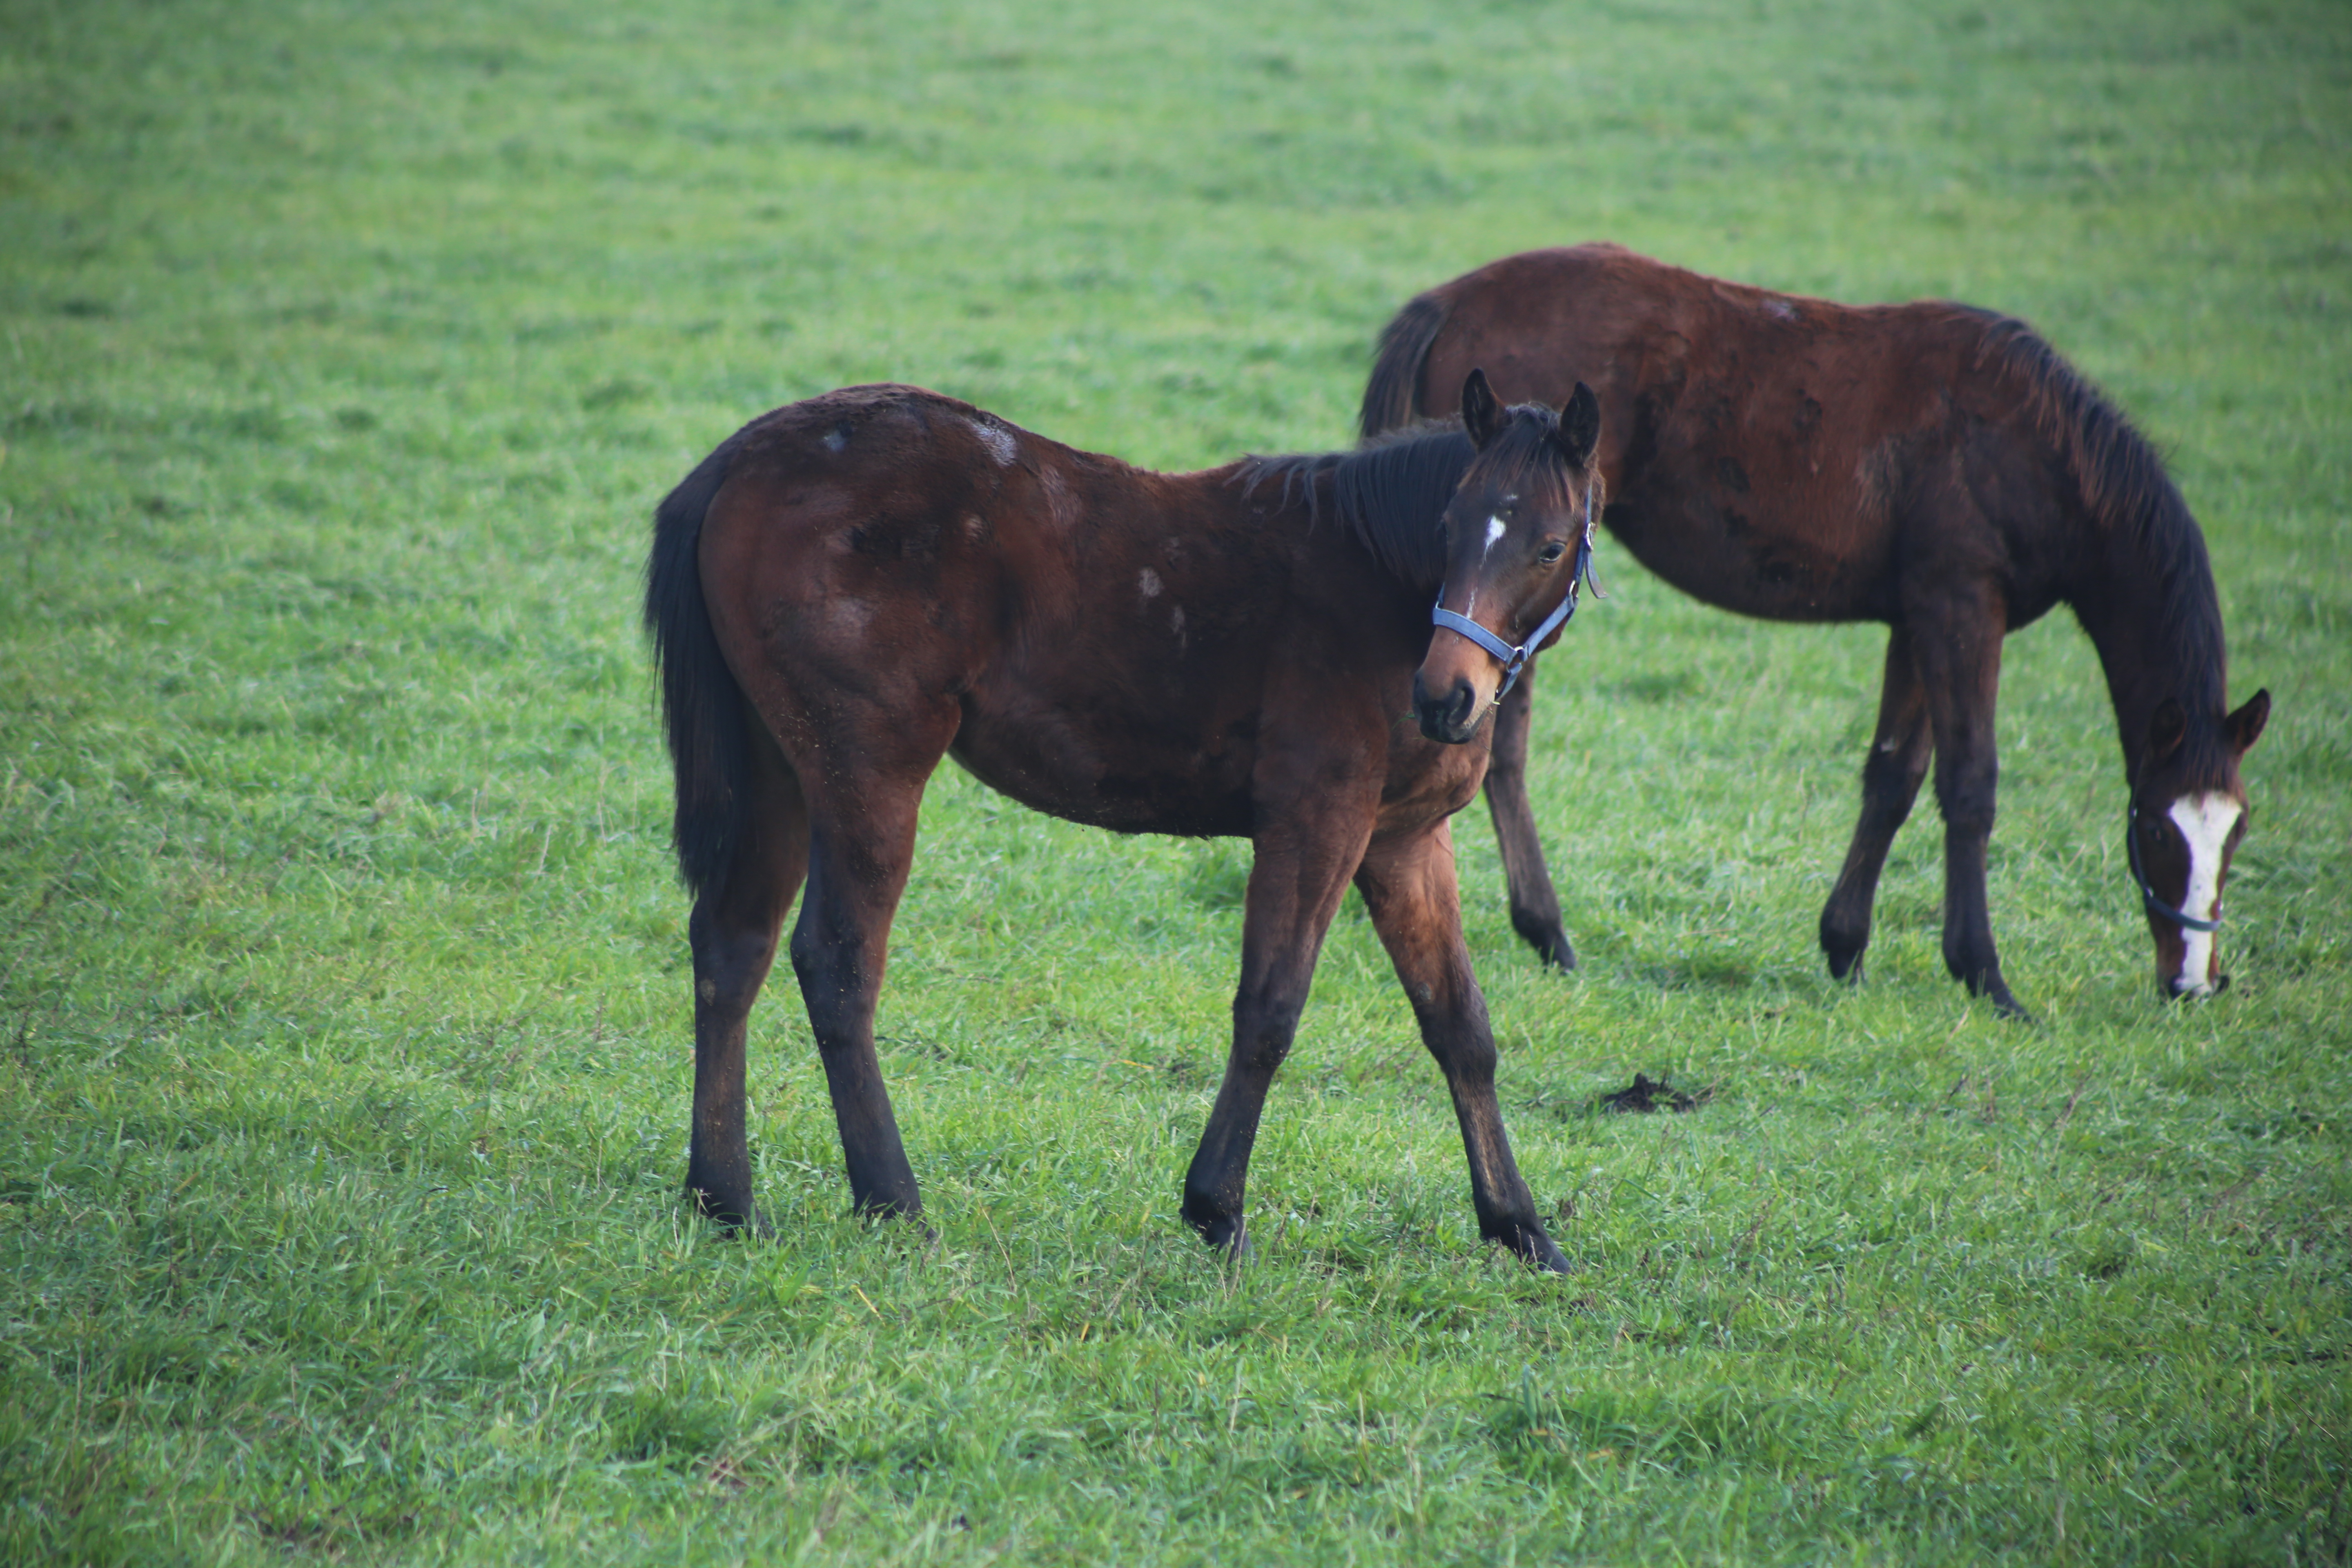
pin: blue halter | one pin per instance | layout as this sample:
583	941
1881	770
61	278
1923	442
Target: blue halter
1515	659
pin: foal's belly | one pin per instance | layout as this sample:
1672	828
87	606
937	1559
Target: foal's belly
1756	557
1126	773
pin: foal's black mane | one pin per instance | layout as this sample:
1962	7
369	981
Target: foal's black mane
1392	491
2132	499
2125	487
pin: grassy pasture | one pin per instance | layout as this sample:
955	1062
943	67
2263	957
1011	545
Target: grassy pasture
343	1027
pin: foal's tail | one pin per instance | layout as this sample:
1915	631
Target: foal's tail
1396	367
709	743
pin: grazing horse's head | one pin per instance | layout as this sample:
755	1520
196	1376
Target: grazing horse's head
2187	812
1518	534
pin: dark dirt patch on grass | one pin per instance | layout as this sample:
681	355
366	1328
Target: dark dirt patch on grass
1648	1094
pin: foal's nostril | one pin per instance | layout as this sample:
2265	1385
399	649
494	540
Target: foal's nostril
1459	712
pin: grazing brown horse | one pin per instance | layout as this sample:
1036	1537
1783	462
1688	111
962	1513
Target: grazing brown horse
1932	465
850	588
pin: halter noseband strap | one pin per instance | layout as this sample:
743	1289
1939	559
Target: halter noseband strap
1515	659
2156	906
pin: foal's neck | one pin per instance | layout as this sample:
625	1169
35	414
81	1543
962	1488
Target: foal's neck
2152	613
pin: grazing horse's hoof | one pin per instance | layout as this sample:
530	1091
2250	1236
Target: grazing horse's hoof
1553	947
748	1224
2004	1005
1534	1248
1843	944
1232	1239
1228	1233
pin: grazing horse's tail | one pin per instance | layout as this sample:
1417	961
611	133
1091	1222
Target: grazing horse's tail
709	743
1396	367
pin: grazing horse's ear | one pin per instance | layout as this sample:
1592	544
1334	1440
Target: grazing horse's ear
2246	723
1579	426
1482	413
2166	728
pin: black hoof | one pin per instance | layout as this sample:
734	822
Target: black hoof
1551	943
880	1209
1845	962
1227	1233
2004	1005
734	1217
1530	1243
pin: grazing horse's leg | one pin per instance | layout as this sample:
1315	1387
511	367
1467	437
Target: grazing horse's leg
861	845
1957	647
1535	906
1410	890
733	934
1890	782
1296	882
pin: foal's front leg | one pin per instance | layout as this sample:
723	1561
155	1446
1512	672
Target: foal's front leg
1297	880
1409	888
1959	657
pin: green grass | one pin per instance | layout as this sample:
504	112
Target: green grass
343	1027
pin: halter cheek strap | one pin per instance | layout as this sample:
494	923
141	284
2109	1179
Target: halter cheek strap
2156	906
1515	659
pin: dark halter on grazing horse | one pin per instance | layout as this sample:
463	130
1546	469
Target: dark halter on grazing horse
1515	659
2156	906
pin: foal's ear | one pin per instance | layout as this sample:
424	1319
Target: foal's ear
2246	724
1579	426
2166	728
1482	412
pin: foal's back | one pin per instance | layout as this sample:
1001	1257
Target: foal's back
1107	644
1773	454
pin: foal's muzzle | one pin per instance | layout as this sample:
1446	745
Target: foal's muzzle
1449	715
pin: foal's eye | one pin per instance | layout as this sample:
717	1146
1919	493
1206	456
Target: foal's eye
1552	553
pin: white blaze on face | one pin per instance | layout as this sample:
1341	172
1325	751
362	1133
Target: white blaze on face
2205	822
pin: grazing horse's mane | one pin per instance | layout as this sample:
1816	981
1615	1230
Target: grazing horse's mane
1392	491
2124	486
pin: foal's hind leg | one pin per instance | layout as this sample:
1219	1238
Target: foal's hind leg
862	842
1535	906
1890	782
1409	887
733	935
